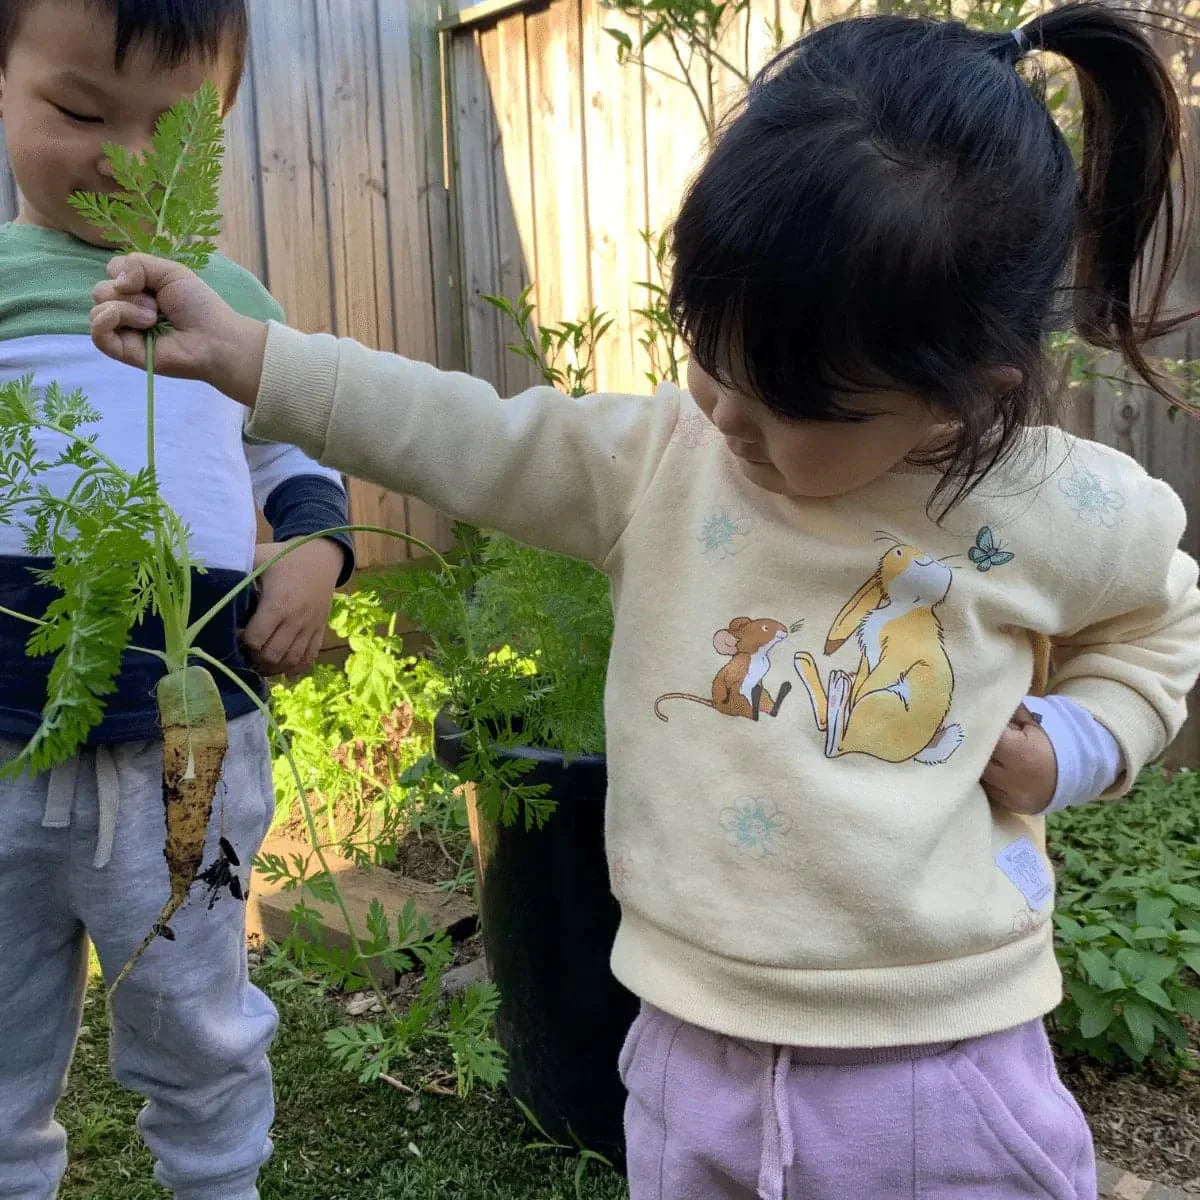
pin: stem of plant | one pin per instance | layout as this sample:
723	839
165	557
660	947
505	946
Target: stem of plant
197	625
9	612
150	340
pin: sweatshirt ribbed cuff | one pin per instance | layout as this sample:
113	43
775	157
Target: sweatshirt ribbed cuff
295	395
1132	720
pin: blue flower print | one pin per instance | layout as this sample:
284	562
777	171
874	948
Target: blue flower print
753	826
1095	503
721	533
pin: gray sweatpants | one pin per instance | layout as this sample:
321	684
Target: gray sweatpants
190	1032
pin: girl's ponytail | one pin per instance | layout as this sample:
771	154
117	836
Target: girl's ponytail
1132	140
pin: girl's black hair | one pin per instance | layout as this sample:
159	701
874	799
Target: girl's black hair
893	206
176	29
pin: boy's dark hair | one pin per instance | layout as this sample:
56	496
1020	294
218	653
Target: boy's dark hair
893	206
175	29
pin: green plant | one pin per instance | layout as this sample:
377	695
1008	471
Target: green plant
584	1158
664	348
521	636
696	32
356	730
564	354
1128	922
1084	365
369	1049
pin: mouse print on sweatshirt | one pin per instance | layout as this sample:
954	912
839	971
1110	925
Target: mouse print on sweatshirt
895	705
737	690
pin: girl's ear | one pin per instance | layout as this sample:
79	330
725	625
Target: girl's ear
999	381
868	597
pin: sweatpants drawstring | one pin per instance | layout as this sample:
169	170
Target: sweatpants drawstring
60	794
778	1148
108	792
60	798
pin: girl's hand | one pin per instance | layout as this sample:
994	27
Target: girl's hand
207	339
1023	771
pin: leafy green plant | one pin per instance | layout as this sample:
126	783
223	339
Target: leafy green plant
1084	365
696	32
659	339
1128	922
370	1049
521	636
564	354
585	1158
356	729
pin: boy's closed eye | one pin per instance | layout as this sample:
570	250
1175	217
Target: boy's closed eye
79	117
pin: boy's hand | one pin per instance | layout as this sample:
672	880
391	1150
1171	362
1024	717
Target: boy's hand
1023	771
287	630
207	341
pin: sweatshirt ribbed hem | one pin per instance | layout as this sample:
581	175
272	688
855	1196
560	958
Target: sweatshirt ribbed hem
882	1006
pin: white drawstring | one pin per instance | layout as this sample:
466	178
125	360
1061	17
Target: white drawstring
108	794
60	794
60	798
778	1147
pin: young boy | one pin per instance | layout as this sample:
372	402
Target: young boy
81	849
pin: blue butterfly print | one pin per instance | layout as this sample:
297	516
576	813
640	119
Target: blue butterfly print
986	553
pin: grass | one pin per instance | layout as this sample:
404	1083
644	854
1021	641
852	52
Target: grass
334	1138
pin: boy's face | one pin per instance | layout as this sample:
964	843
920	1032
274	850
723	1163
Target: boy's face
62	98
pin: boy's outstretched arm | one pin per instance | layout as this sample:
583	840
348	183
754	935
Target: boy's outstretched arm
557	472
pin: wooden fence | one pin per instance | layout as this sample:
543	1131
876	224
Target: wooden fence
333	192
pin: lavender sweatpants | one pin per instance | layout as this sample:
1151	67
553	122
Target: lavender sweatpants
713	1118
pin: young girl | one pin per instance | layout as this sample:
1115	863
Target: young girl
836	564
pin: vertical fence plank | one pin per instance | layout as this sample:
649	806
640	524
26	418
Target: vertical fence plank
291	159
348	67
477	207
408	189
613	130
9	200
418	210
555	60
432	83
242	237
675	133
503	50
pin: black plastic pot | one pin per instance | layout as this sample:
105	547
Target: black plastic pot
549	920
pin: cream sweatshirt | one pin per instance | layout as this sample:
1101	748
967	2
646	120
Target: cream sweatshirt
802	694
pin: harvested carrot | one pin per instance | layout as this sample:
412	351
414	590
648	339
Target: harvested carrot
194	744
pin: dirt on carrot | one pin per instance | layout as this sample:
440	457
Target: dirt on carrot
195	739
194	744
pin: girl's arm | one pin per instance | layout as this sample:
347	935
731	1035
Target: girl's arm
1134	657
556	472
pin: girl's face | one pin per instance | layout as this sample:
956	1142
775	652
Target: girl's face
814	459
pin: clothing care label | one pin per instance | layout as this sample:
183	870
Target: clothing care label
1028	872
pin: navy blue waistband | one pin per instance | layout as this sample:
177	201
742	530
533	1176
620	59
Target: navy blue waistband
130	713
